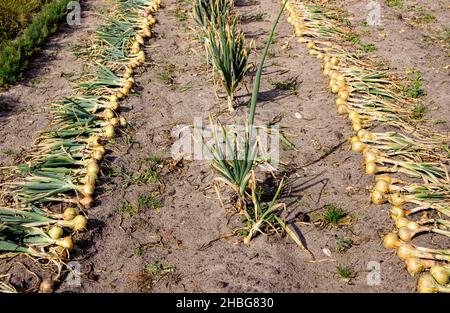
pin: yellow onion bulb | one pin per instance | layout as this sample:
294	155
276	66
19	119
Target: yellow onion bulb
354	116
386	178
139	39
66	243
141	56
344	94
358	146
335	88
108	114
401	222
79	223
125	90
301	39
69	214
146	31
327	58
114	122
382	187
364	134
122	121
310	45
406	234
326	72
357	126
120	95
340	101
86	202
371	168
342	109
377	197
391	241
414	265
87	189
334	61
427	284
92	168
46	286
370	156
406	250
98	153
397	212
55	232
109	131
413	225
440	274
397	199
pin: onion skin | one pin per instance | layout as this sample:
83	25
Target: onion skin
86	202
66	242
342	109
46	286
93	168
69	214
406	234
122	121
415	266
371	168
382	186
357	126
358	146
427	284
401	222
377	197
396	212
391	241
109	131
440	274
397	200
79	223
55	232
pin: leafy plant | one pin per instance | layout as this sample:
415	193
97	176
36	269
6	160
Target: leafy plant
226	46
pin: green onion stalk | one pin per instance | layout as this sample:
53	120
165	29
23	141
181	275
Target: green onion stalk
393	144
36	217
42	187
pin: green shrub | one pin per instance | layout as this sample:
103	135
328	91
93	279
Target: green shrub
15	53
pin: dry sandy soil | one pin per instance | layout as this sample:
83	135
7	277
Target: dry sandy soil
187	235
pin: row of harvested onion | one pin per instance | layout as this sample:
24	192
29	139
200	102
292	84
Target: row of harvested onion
63	165
367	94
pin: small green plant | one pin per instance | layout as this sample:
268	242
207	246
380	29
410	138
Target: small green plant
149	201
157	268
286	85
128	209
342	243
396	4
440	122
419	111
147	176
333	215
366	48
353	38
254	17
166	75
139	250
345	272
181	14
415	86
8	152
